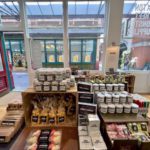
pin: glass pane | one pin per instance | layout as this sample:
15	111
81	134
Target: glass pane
22	46
15	46
59	50
75	56
50	46
135	45
7	45
88	45
45	18
75	45
51	57
1	63
86	18
87	56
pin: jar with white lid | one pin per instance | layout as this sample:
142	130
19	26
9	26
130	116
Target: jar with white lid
58	76
100	98
62	86
134	108
111	108
119	108
68	72
41	76
129	99
121	87
103	108
115	87
127	108
38	86
46	86
108	98
115	98
109	87
102	87
95	87
54	86
123	98
50	77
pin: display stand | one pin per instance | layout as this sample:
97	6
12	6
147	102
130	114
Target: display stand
28	107
121	118
69	138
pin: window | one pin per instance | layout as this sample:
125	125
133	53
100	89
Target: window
52	51
82	51
135	42
45	19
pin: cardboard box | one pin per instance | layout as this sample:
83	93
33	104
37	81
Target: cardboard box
84	87
94	122
82	131
86	97
85	143
85	108
82	120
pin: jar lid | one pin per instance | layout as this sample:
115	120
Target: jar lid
108	95
127	106
115	95
103	105
100	95
101	84
120	84
115	84
110	85
134	106
123	95
119	106
46	83
111	106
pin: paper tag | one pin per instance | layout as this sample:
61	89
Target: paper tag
34	118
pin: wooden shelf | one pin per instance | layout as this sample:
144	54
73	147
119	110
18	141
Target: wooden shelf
122	118
28	107
69	138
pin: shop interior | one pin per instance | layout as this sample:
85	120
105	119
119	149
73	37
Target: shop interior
75	75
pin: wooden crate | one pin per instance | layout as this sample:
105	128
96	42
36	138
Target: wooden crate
28	107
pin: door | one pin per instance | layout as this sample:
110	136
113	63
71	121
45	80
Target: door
3	76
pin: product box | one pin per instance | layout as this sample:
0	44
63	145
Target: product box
84	87
82	131
85	143
98	143
85	108
86	97
94	122
82	120
6	133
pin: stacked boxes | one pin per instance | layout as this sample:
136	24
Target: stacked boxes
53	79
89	135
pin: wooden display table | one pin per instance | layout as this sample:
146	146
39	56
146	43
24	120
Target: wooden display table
122	118
69	138
27	97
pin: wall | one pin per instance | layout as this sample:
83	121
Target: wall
36	55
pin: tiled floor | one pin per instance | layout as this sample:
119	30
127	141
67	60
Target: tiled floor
21	81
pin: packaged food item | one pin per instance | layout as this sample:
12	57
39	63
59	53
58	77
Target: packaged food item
108	98
44	116
102	87
122	99
115	87
62	86
94	122
103	108
61	115
46	86
127	108
115	98
121	87
38	86
100	98
129	99
134	108
85	143
109	87
111	108
119	108
54	86
82	130
95	87
35	116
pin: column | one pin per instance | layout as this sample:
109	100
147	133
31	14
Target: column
114	12
65	34
24	26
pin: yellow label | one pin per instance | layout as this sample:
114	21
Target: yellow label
51	58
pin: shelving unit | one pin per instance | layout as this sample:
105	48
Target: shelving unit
28	107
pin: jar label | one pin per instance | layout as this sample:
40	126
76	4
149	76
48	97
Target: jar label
52	120
43	119
61	119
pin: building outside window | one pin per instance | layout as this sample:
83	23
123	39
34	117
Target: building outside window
135	38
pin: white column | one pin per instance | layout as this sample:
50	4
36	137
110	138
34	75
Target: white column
24	25
65	34
114	11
